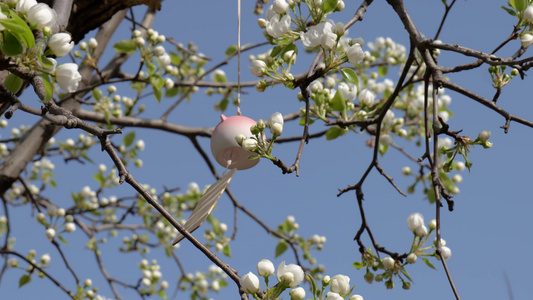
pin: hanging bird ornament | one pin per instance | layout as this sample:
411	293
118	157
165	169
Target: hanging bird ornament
229	154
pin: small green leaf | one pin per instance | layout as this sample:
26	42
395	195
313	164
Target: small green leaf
383	70
125	46
281	247
19	28
129	138
48	89
231	49
329	5
358	265
275	51
428	263
338	103
63	240
158	92
97	94
11	45
100	178
350	76
172	92
519	5
333	133
509	11
313	283
227	250
24	279
13	83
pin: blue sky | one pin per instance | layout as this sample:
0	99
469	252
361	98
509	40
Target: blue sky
488	232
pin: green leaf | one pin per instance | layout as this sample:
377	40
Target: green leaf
125	46
11	45
329	5
63	240
519	5
231	49
48	89
509	11
406	274
333	133
338	103
128	139
358	265
100	178
350	76
428	263
227	250
19	28
275	51
281	247
313	283
383	70
13	83
382	149
97	94
24	279
158	92
172	92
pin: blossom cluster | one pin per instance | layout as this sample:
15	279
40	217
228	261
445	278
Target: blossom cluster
41	18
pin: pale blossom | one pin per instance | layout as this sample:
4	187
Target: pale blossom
249	144
348	91
340	284
528	13
333	296
313	36
526	40
366	97
265	267
24	5
355	54
297	293
258	67
68	77
278	25
61	44
328	40
249	283
41	15
414	220
280	6
388	262
296	271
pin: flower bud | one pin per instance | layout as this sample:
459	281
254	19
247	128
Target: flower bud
276	129
41	15
411	258
484	136
296	274
93	43
258	68
68	77
421	230
406	170
340	284
249	144
432	224
61	44
50	233
369	276
265	268
528	14
414	220
249	283
445	252
388	262
526	40
297	293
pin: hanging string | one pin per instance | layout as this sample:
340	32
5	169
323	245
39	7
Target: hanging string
239	57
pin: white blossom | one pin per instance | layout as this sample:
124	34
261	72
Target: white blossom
340	284
249	144
355	54
333	296
348	91
297	293
249	283
265	267
258	67
24	5
295	270
526	40
50	233
45	258
411	258
61	44
388	262
41	15
528	14
414	220
313	36
366	97
68	77
280	6
278	25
